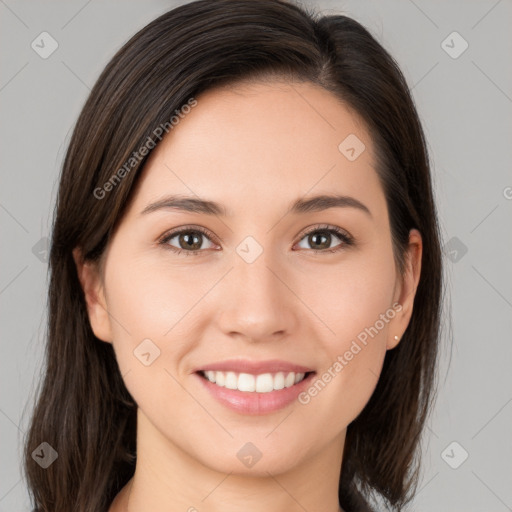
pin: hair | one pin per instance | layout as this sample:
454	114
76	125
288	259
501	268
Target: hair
83	408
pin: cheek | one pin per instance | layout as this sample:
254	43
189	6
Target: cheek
148	299
157	316
151	310
353	362
351	296
355	306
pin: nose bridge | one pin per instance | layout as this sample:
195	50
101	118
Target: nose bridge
256	279
258	304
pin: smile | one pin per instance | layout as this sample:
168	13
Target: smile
254	386
262	383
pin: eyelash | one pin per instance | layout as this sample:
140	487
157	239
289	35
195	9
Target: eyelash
345	238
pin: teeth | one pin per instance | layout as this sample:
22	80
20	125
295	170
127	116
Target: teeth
263	383
246	382
219	379
279	380
231	380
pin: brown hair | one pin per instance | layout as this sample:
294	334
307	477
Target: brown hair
83	409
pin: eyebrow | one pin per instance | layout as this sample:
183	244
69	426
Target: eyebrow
300	206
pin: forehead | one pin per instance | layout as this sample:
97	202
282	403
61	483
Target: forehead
253	144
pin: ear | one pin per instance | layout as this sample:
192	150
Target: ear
406	288
93	288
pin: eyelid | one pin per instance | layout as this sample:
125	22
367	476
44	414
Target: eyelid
189	227
325	227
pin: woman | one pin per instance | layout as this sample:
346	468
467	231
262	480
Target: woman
245	290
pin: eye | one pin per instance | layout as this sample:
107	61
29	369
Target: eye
321	237
194	240
187	240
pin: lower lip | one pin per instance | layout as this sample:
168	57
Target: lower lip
252	402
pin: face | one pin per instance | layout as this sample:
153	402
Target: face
254	286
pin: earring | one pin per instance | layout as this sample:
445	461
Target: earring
396	338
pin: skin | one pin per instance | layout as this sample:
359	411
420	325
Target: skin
255	148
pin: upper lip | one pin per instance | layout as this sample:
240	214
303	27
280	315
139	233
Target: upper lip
254	367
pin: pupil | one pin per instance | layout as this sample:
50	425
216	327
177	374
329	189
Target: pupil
188	240
326	238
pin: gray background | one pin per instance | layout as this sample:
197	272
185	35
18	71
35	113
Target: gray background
465	104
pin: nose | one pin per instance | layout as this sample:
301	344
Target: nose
256	302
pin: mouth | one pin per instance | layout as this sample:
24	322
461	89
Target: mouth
254	387
254	383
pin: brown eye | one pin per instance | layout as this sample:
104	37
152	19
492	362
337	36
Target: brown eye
188	241
321	239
